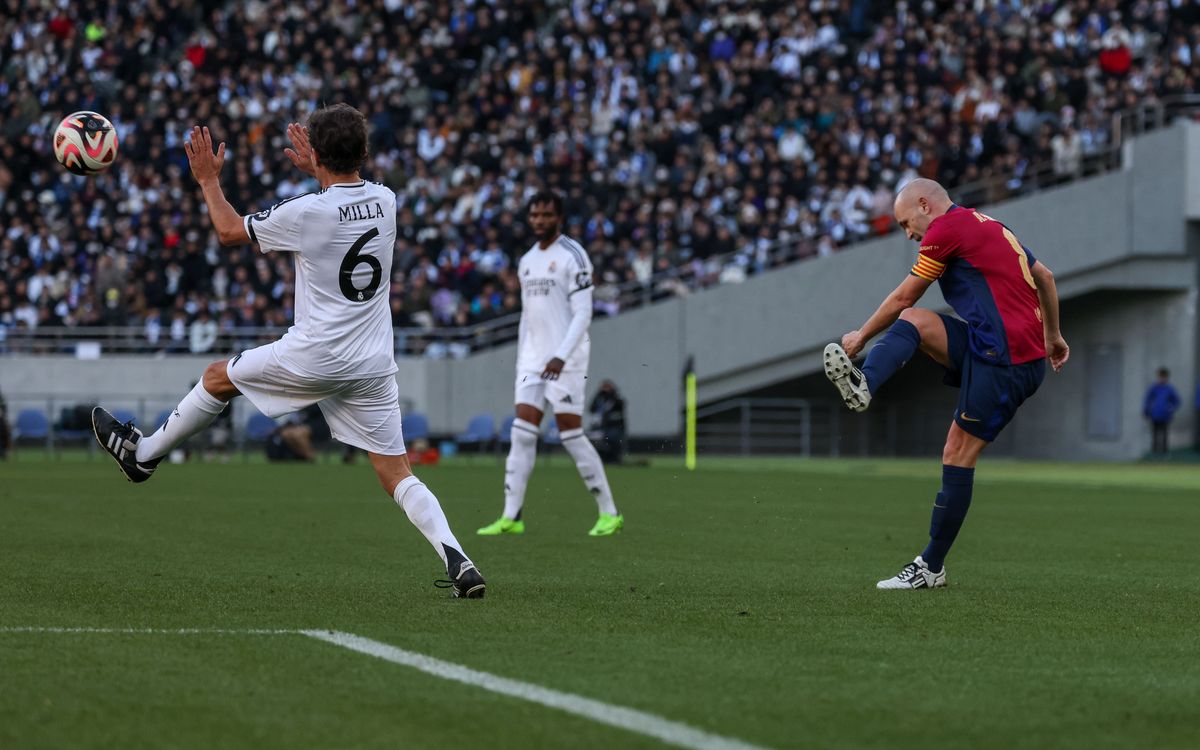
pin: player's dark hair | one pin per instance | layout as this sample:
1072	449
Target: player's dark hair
338	136
1164	372
547	196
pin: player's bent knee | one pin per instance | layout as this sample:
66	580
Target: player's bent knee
568	422
529	413
216	381
916	315
921	319
962	448
391	470
215	373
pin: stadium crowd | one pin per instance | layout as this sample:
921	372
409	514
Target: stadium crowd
696	141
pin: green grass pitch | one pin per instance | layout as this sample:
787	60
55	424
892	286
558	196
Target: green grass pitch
739	600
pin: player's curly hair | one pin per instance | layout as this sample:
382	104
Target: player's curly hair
338	136
543	197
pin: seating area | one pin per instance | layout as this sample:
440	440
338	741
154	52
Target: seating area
742	136
33	429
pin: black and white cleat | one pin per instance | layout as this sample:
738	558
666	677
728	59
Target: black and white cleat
119	440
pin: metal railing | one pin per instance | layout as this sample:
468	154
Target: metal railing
610	299
90	342
61	426
762	426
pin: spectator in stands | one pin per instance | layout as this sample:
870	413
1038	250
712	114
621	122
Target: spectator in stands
607	412
770	120
1067	146
5	429
153	331
1196	422
203	332
1159	407
294	440
1115	56
178	341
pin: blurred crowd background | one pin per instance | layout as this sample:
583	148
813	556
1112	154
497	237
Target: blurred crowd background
696	142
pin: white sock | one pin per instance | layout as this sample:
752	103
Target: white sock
521	455
426	514
591	468
196	411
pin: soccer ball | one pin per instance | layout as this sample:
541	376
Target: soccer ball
85	143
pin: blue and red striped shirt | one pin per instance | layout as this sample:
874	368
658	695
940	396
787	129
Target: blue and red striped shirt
984	273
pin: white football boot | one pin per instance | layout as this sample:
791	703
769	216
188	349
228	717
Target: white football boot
915	575
848	378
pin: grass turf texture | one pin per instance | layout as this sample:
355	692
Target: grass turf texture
740	599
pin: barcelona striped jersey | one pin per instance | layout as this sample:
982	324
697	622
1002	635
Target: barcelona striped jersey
984	273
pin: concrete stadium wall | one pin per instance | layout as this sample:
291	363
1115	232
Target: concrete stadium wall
1142	328
1125	231
1190	155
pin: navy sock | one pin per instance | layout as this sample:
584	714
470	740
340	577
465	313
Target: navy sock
949	510
892	352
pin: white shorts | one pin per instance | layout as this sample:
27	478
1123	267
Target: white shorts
565	395
362	413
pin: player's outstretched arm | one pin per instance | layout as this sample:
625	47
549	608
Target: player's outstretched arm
1057	350
901	298
206	168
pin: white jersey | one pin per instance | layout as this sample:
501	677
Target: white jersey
556	289
343	238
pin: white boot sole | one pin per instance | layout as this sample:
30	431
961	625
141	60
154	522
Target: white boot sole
840	372
892	584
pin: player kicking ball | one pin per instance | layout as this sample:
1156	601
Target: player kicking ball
339	352
997	357
552	363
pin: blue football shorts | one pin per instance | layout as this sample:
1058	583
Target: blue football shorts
988	394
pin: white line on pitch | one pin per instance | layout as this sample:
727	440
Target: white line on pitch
151	631
640	722
670	732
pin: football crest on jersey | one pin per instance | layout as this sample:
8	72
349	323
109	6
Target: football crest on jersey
552	266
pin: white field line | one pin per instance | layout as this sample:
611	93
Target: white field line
640	722
153	631
670	732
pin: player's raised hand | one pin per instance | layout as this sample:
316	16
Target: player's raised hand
206	165
553	369
853	344
1057	352
301	153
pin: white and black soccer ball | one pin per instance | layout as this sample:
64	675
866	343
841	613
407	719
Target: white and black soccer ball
85	143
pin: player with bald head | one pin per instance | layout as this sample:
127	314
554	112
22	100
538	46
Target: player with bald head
919	203
995	352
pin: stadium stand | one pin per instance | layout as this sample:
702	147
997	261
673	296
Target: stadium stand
739	137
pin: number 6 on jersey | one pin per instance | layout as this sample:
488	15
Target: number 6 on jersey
352	261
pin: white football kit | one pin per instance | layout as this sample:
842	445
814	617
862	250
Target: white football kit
339	351
556	310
